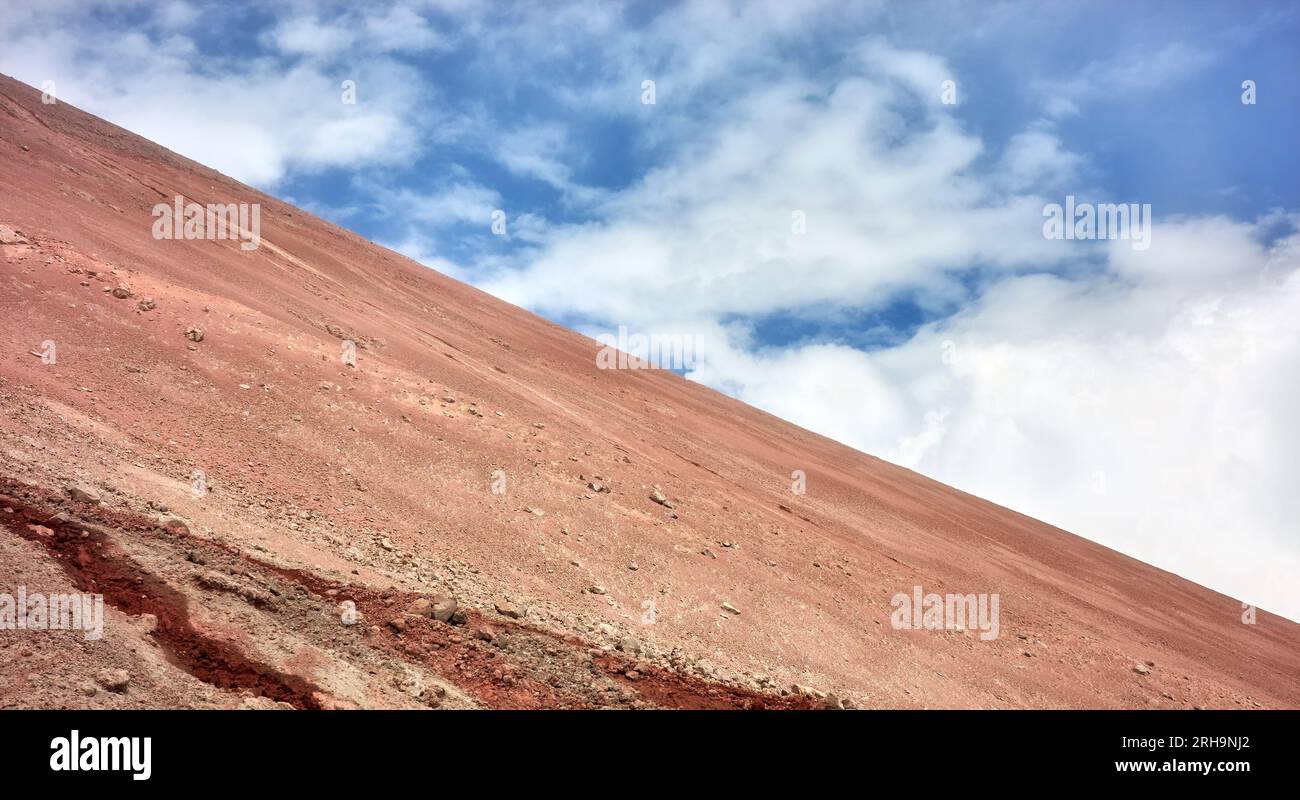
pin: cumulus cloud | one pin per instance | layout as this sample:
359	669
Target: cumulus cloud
381	29
1134	397
254	118
1147	414
800	197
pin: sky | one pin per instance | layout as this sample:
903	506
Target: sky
841	204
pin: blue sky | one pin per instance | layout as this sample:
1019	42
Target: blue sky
1140	398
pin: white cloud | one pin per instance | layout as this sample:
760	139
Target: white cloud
455	204
370	29
255	121
1113	399
1151	415
1036	157
882	177
1144	69
307	35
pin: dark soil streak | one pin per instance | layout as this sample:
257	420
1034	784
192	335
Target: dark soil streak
95	565
497	679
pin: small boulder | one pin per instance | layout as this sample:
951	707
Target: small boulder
420	607
659	497
83	493
444	608
629	645
508	609
113	680
175	525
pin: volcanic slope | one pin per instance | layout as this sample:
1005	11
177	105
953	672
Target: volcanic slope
247	494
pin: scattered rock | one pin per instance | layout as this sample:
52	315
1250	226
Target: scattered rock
175	525
1142	669
596	589
194	334
121	292
220	582
629	645
659	497
730	609
146	304
420	608
113	680
508	609
83	493
444	608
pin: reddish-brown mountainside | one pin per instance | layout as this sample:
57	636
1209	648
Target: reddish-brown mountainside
373	484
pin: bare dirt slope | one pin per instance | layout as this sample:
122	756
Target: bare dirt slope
373	484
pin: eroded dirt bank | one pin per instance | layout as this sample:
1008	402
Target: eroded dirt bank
159	572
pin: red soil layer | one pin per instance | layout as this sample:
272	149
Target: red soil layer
96	566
